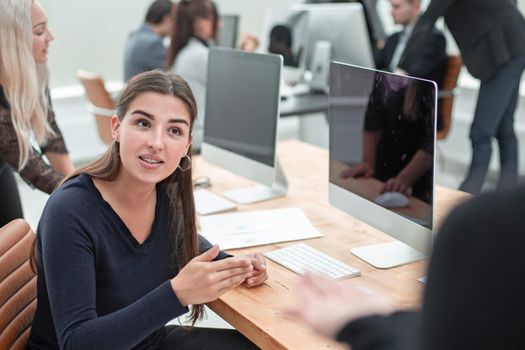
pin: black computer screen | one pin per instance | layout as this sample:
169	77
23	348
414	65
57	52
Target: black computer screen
242	103
382	138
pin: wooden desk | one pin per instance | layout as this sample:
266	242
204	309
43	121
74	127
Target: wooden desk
257	313
370	188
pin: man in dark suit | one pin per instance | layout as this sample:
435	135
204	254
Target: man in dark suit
429	62
491	37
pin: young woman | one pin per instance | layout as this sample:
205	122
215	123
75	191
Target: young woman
196	26
117	250
25	107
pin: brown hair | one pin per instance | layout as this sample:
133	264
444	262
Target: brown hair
183	228
186	13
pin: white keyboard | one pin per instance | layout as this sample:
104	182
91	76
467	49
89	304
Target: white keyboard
207	202
301	258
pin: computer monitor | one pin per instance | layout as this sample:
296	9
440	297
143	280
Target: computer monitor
344	27
382	138
242	113
228	31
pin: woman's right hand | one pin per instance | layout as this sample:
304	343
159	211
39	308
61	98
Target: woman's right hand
203	280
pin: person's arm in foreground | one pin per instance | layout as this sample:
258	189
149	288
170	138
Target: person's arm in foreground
352	314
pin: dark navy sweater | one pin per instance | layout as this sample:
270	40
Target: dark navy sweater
98	288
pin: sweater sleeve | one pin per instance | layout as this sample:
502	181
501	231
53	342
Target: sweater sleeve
393	332
68	255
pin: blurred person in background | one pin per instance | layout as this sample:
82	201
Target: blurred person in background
145	48
491	38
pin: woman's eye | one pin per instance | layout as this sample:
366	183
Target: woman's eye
175	131
143	123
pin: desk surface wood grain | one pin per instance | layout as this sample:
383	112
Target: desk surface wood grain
258	312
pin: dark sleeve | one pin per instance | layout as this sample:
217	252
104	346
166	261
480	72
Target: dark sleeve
469	301
383	56
394	332
380	57
36	173
56	142
431	58
68	258
422	30
204	245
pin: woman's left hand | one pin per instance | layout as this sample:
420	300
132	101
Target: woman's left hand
260	270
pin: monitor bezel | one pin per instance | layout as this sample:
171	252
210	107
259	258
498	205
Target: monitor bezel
395	225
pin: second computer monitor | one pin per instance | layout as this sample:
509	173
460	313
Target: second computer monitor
228	31
382	141
242	112
344	27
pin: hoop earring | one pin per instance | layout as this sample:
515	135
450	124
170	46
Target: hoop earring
189	164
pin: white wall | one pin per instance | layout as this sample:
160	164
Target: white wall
91	34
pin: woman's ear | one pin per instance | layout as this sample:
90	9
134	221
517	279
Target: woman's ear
189	144
115	124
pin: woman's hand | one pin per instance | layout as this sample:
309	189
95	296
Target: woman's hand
203	280
260	272
396	184
361	170
249	42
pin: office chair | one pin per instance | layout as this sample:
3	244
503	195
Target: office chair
17	285
100	103
447	92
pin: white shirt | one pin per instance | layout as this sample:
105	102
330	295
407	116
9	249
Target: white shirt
191	64
401	45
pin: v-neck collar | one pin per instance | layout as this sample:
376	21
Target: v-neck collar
128	236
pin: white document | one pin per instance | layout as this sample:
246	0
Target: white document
254	228
207	202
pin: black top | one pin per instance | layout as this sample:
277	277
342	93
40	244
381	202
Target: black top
98	288
476	283
405	118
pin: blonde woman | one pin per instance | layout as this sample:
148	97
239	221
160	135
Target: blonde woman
26	115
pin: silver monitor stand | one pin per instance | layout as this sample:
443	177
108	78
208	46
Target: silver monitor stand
261	193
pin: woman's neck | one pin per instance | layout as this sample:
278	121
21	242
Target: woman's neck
124	191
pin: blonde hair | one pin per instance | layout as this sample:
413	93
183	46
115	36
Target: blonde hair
24	82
